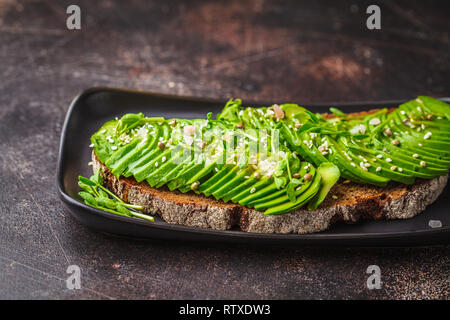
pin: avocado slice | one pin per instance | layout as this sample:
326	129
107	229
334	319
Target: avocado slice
301	200
330	174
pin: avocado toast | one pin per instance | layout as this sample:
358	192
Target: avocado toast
276	169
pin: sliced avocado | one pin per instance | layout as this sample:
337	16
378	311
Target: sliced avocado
301	200
330	174
241	176
284	197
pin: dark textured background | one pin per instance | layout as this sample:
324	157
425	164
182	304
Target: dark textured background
282	51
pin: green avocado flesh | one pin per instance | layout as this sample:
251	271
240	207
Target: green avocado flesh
279	158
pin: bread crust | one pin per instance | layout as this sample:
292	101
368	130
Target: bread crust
347	202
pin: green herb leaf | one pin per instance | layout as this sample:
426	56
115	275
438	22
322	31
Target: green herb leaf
279	182
290	191
96	178
337	112
121	209
88	198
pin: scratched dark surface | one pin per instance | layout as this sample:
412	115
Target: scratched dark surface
259	50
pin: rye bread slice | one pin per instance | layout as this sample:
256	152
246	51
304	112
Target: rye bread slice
348	202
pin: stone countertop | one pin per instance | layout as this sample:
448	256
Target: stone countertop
255	50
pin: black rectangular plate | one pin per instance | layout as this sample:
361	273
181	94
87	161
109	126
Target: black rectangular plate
95	106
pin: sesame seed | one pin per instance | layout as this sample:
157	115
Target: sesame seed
415	155
113	148
427	135
374	121
91	145
103	131
163	159
156	164
388	159
393	168
195	185
252	190
353	164
378	169
395	142
400	169
379	156
423	163
90	163
402	112
246	177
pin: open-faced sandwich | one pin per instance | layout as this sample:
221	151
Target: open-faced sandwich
277	169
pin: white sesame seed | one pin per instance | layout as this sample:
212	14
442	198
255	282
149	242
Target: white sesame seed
367	165
415	155
90	163
379	156
420	145
427	135
423	163
113	148
103	131
378	169
400	169
402	112
393	168
353	164
388	159
163	159
246	177
252	190
156	164
374	121
91	145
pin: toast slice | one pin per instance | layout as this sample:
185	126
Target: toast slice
347	202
